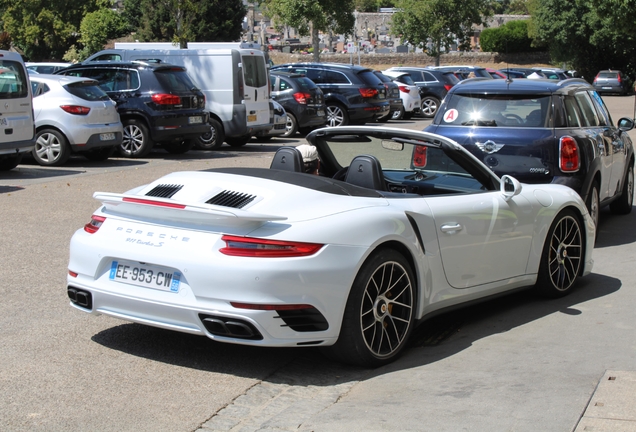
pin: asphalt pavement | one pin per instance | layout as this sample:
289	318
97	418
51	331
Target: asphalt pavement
518	363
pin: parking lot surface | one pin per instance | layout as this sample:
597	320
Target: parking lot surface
518	363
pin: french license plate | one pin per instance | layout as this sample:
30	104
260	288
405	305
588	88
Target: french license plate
320	113
195	119
606	88
145	275
106	137
251	118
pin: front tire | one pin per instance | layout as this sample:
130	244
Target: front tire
380	311
51	148
136	142
623	205
562	256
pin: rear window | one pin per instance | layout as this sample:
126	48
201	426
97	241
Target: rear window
174	80
497	110
451	78
406	79
13	80
306	83
87	90
254	71
369	78
608	75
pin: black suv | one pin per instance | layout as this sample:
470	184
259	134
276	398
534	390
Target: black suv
433	85
157	103
544	131
302	99
353	94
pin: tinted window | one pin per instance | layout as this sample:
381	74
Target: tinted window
334	77
604	114
382	77
13	80
587	109
306	83
406	79
176	80
428	77
254	71
86	90
108	57
608	75
572	112
110	79
284	85
370	78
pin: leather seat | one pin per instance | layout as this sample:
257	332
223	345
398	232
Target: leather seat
365	171
288	159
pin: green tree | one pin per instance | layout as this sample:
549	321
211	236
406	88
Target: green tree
577	34
313	16
436	25
181	21
98	27
44	29
511	37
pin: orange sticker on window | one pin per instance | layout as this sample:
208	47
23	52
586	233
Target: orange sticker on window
450	115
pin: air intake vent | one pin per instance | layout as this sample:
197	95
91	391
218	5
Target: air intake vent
164	190
231	199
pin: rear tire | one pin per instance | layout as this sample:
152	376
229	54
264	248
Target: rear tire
136	142
562	256
213	139
623	205
430	105
291	127
337	115
593	205
380	311
51	148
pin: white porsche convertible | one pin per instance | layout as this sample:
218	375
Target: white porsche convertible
400	224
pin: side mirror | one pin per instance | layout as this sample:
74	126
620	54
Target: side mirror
625	124
509	187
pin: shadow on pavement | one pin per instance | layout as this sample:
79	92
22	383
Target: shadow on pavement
615	230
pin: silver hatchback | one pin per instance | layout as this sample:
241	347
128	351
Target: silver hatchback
73	115
611	81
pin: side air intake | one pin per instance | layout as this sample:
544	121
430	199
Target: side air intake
164	190
231	199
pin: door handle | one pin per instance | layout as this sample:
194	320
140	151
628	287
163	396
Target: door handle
451	228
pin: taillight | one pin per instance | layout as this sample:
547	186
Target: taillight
618	77
448	87
262	248
404	89
302	98
595	78
419	157
94	225
76	109
569	158
368	92
166	99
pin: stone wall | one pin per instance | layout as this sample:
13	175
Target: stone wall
420	59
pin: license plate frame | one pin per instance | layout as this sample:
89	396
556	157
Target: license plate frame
110	136
252	118
320	113
145	275
195	119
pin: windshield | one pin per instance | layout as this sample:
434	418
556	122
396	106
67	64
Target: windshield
406	161
508	110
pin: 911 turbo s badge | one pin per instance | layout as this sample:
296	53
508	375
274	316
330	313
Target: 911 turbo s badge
489	147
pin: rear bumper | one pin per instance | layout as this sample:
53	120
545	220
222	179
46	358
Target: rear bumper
175	127
15	147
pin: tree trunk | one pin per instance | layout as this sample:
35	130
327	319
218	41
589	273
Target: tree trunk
315	43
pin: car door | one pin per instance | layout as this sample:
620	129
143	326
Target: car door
614	139
482	237
256	90
602	144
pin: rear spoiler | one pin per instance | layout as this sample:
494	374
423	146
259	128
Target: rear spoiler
177	210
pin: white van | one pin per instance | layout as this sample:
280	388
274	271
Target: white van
233	79
17	126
